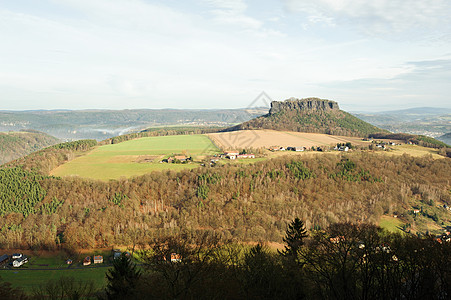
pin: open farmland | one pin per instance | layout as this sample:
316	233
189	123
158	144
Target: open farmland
137	157
267	138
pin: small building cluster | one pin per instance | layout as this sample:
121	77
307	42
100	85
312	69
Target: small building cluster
117	253
289	148
177	159
236	155
96	259
16	260
444	237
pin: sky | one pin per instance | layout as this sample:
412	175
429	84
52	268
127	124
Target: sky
368	55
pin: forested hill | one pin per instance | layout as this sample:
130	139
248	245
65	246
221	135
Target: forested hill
310	115
14	145
247	203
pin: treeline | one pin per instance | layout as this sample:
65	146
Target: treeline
334	122
343	261
45	160
160	132
249	203
420	140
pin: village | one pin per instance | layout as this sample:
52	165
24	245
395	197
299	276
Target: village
234	154
18	260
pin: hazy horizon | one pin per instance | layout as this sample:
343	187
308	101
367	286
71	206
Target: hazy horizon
221	54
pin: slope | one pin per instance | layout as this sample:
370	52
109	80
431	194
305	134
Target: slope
310	115
14	145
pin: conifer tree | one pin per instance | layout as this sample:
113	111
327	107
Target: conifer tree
294	238
122	279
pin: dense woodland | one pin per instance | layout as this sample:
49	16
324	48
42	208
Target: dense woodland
250	202
14	145
343	261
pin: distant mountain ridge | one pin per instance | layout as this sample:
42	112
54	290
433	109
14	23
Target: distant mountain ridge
103	124
446	138
429	121
310	115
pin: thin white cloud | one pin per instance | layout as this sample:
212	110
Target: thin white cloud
377	17
232	12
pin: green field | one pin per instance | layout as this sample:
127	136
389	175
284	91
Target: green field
30	279
137	157
390	223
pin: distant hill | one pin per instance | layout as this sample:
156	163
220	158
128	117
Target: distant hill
103	124
14	145
310	115
429	121
446	138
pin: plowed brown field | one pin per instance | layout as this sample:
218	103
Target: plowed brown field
267	138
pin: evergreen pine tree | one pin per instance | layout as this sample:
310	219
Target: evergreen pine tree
122	279
294	238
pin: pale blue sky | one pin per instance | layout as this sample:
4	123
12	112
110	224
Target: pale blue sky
117	54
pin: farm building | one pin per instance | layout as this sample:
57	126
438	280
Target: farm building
231	154
87	261
175	257
116	253
297	149
98	259
177	158
277	148
4	259
245	156
16	255
20	261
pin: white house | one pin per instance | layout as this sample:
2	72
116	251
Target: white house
20	261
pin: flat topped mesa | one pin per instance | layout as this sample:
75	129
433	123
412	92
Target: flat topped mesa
307	104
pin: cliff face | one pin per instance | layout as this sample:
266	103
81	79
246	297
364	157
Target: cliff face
307	104
309	115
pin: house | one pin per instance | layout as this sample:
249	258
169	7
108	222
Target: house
98	259
295	149
231	154
16	255
69	261
276	148
176	158
343	148
416	211
4	259
175	257
181	157
116	253
245	156
337	239
87	261
20	261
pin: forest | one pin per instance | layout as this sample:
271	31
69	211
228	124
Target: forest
14	145
248	202
342	261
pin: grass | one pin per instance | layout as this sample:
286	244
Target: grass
414	150
137	157
30	279
390	223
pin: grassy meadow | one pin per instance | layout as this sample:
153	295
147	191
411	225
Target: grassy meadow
137	157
